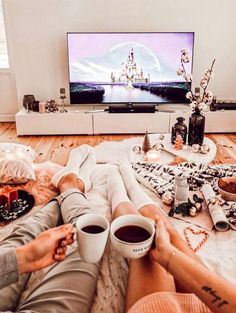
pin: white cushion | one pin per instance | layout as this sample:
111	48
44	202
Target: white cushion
16	163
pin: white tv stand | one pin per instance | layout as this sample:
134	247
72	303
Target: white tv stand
77	121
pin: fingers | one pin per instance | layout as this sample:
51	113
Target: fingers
60	254
59	257
61	250
63	231
63	235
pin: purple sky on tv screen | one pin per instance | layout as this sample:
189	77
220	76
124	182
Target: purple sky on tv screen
93	57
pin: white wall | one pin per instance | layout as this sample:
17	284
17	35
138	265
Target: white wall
38	29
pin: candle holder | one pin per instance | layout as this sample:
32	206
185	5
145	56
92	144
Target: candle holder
62	97
152	155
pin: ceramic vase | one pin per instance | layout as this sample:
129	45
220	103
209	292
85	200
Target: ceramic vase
196	128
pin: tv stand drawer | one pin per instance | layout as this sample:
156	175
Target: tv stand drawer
126	123
69	123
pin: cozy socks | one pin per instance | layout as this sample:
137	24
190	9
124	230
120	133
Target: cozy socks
81	161
136	194
116	189
86	169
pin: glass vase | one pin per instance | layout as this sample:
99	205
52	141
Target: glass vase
196	128
179	128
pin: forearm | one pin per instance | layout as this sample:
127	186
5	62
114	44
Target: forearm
218	294
8	267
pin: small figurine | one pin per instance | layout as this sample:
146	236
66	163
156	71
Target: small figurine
136	149
195	148
179	143
205	149
146	143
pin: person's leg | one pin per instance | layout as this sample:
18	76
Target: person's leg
147	208
73	203
47	217
73	181
68	286
145	276
80	163
72	200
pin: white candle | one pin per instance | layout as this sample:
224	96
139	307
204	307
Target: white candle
153	155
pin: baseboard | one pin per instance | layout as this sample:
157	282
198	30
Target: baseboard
7	117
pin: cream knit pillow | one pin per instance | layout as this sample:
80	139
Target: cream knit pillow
16	163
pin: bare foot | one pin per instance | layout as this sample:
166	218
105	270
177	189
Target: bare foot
70	181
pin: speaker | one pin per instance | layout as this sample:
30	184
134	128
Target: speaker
131	109
223	106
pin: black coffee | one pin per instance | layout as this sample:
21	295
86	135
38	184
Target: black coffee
93	229
132	234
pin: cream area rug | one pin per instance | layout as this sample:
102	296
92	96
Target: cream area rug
112	151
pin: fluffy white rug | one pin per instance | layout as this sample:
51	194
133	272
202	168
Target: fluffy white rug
111	151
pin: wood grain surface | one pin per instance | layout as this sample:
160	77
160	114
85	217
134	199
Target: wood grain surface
57	148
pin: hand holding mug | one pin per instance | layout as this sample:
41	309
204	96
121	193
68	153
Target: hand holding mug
45	249
163	246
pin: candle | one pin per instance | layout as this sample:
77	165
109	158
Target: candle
153	155
7	196
42	107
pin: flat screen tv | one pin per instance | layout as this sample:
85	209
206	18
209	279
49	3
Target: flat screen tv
134	68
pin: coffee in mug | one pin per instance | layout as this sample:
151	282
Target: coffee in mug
132	235
93	229
92	234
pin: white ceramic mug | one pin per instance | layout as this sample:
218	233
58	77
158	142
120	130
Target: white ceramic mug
92	234
128	249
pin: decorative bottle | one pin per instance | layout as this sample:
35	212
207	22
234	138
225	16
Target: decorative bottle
181	189
196	128
179	128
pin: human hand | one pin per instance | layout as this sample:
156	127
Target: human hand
163	247
47	248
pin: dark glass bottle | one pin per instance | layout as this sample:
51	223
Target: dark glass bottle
196	128
179	128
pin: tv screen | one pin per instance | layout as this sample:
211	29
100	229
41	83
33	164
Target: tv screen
106	68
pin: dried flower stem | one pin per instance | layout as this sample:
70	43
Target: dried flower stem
184	70
208	80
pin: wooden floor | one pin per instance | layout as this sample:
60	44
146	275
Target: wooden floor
57	148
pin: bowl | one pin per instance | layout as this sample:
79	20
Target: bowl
132	235
227	188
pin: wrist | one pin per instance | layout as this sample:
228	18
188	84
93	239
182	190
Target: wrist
163	254
21	259
21	254
171	256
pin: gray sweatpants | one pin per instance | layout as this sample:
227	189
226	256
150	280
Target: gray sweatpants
68	286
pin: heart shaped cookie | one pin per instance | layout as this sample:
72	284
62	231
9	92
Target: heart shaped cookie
195	238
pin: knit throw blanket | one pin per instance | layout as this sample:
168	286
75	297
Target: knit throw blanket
160	178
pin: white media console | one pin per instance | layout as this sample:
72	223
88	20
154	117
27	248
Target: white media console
77	121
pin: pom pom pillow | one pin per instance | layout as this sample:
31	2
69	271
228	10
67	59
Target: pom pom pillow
16	163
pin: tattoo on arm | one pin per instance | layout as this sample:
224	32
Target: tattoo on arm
216	299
